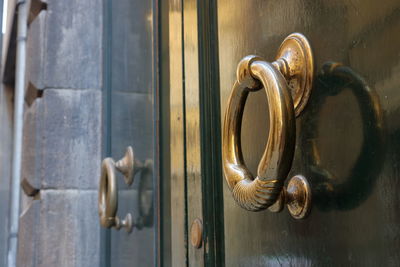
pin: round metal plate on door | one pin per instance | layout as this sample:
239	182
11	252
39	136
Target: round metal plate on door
287	83
196	233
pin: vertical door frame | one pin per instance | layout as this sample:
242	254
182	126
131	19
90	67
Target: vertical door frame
177	141
105	234
210	129
196	178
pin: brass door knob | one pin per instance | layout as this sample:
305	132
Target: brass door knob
287	82
108	190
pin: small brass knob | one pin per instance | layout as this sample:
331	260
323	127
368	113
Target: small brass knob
297	197
196	233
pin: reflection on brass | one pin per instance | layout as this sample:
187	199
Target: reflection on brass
295	66
196	233
328	193
108	190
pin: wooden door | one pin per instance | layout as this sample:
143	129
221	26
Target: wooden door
346	138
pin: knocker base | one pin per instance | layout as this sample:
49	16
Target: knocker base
295	61
297	197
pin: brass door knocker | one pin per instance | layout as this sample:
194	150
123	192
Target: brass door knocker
108	190
287	82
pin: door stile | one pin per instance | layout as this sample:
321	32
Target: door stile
177	138
210	127
192	111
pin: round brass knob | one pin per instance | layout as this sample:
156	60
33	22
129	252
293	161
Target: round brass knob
196	233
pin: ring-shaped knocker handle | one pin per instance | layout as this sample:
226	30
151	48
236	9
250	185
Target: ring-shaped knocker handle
287	83
261	192
108	190
108	199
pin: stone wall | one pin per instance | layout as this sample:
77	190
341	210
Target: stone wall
62	136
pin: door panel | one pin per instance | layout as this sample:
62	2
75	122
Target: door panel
131	108
347	136
192	121
176	139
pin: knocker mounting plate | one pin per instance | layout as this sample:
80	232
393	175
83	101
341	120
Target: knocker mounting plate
295	61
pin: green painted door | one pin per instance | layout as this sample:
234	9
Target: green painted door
347	138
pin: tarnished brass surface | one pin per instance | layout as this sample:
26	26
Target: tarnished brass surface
253	73
108	190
